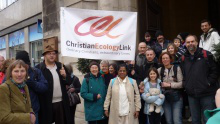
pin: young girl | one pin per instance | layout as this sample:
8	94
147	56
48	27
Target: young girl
177	43
180	48
153	82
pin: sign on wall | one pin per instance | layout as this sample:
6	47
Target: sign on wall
39	26
97	34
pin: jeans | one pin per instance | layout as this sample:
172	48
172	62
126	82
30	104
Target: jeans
36	115
173	111
199	105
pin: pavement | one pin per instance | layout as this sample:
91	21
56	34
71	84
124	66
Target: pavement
80	117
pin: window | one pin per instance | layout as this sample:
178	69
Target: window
36	52
14	50
6	3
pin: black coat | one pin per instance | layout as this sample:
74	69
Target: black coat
141	71
45	99
199	74
75	83
158	48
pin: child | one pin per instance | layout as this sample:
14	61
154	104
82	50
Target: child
177	42
152	81
180	48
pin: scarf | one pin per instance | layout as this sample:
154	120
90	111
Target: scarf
20	86
103	73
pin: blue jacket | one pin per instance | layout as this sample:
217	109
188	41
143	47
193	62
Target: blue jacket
151	99
36	84
94	109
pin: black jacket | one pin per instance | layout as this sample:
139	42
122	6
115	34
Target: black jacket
199	74
75	83
46	113
141	71
158	48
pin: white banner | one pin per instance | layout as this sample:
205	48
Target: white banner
97	34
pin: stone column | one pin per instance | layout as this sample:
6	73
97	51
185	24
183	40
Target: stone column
118	5
7	46
26	39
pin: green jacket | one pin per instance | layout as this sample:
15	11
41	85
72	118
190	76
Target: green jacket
15	109
213	116
94	109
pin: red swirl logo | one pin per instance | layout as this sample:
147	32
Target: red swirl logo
99	28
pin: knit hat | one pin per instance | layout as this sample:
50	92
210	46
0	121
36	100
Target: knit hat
23	55
93	63
159	32
183	35
147	34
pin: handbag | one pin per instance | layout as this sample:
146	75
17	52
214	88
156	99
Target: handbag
172	96
74	98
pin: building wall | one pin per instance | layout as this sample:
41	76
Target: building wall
19	11
182	16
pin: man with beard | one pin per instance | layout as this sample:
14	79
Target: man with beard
161	43
199	79
209	37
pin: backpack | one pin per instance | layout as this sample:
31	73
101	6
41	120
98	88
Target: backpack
87	76
130	80
204	55
174	70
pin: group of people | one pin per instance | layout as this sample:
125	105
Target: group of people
150	90
153	89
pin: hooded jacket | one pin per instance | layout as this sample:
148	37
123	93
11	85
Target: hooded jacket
93	107
151	99
199	74
207	40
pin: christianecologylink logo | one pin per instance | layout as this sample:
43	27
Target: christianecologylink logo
101	27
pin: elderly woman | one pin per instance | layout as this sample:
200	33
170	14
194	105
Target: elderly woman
93	91
123	98
104	64
15	99
171	78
